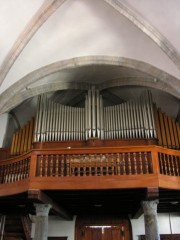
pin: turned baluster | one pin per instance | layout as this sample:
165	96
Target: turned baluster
5	173
24	167
123	163
177	166
95	165
107	164
101	164
65	161
129	163
28	167
168	165
90	165
57	166
140	163
161	163
118	169
165	164
23	170
135	163
19	168
46	166
173	165
51	166
79	165
112	164
41	166
72	165
146	162
9	173
84	165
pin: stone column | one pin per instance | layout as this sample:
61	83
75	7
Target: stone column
41	227
150	219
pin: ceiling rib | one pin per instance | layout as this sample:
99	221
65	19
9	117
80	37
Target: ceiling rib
147	28
43	13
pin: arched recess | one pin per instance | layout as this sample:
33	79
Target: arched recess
103	227
23	89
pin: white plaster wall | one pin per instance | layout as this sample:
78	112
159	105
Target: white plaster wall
3	127
59	228
166	223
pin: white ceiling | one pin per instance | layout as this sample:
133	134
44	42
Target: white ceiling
60	44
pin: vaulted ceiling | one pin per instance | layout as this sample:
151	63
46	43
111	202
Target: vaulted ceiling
119	46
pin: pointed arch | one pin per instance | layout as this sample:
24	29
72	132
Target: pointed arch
121	7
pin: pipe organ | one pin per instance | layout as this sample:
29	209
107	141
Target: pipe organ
133	119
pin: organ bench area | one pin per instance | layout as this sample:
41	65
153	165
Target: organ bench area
132	145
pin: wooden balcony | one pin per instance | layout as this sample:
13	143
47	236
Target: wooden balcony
91	168
91	179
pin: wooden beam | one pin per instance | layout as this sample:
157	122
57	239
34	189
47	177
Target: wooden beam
38	195
152	193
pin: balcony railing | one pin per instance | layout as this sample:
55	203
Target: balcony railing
91	162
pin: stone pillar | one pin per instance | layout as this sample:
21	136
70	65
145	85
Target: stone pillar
41	227
150	219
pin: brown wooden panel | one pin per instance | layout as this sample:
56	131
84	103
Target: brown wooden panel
163	131
175	134
158	129
178	132
171	132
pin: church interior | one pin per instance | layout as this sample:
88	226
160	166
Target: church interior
90	120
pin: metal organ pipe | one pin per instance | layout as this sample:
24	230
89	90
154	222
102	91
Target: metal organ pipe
133	119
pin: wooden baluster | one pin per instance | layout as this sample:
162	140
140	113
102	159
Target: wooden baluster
20	174
51	174
177	165
72	166
9	172
140	163
90	165
23	169
95	165
118	168
168	165
5	173
57	166
25	166
79	166
173	165
107	164
165	164
101	165
41	166
65	161
129	163
28	168
12	172
123	164
46	166
146	162
135	163
112	163
84	165
161	163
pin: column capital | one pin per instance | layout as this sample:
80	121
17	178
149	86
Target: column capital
42	209
150	207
